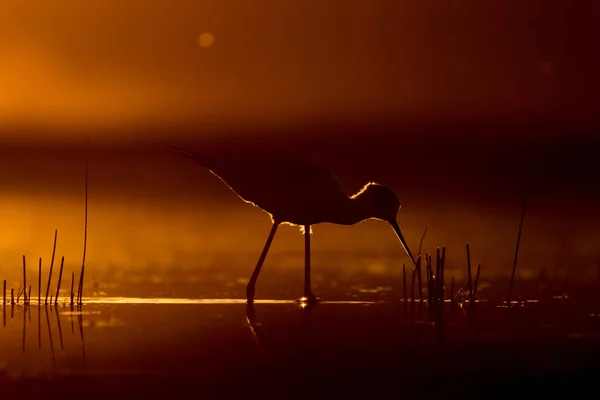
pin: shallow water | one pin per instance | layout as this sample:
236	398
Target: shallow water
281	349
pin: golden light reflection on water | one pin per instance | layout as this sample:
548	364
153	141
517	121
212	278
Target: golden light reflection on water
378	289
134	300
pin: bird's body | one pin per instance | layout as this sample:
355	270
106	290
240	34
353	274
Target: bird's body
290	190
300	193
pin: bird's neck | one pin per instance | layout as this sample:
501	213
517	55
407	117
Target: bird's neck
353	212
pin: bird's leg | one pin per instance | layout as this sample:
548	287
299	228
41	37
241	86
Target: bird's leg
308	295
252	282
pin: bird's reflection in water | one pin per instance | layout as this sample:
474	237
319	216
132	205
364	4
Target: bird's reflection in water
255	326
252	325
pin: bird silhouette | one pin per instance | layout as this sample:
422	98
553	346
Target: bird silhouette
299	193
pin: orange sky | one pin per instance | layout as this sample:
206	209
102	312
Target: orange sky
107	63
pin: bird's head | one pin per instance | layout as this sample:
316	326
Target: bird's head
380	202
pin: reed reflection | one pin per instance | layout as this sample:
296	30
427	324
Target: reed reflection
22	314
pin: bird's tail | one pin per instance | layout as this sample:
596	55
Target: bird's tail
199	158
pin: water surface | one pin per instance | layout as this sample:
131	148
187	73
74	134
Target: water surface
278	348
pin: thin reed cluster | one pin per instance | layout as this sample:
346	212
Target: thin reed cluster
436	291
47	298
25	290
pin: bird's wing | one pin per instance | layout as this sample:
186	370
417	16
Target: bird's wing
270	182
293	185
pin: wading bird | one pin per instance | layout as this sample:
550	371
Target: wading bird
298	193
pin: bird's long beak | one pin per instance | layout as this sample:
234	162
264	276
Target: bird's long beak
401	237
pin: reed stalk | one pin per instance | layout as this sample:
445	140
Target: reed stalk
19	292
62	263
419	263
24	280
512	276
476	280
430	286
51	266
40	282
421	242
404	281
85	231
470	282
80	288
438	268
412	285
72	287
443	273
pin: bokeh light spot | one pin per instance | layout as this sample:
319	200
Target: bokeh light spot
206	39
